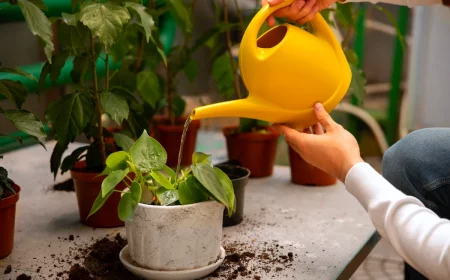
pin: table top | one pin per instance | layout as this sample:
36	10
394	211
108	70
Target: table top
323	227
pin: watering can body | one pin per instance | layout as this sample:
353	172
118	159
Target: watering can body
286	71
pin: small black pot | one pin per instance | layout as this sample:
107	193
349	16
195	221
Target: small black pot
239	177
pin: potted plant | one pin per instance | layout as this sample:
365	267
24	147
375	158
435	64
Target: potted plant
253	143
26	122
89	37
172	222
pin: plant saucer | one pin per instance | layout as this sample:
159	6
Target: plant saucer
146	273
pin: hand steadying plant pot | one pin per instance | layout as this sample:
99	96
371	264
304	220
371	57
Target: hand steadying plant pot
172	223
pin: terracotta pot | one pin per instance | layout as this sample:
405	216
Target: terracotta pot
7	222
303	173
87	187
170	138
254	151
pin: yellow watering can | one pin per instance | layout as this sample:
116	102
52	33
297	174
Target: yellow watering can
286	71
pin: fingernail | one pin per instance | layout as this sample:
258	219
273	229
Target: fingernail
318	107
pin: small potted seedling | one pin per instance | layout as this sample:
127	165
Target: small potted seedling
173	223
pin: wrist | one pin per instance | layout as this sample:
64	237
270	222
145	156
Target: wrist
347	165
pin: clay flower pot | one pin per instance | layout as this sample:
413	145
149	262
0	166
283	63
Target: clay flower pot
254	151
169	238
303	173
7	222
239	177
170	138
87	187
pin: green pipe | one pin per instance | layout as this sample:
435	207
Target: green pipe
396	77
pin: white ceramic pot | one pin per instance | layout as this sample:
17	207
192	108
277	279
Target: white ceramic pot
175	237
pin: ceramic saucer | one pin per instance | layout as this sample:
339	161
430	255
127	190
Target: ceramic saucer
145	273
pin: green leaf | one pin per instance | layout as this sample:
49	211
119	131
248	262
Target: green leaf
344	13
80	67
70	115
358	84
124	79
55	159
69	162
392	20
129	202
247	125
59	60
117	161
105	172
146	19
39	4
351	56
170	172
179	105
147	154
148	87
182	16
161	179
326	14
17	71
217	183
115	105
223	74
27	122
123	141
105	20
99	202
74	39
38	24
14	91
199	157
70	19
94	158
76	3
190	191
44	73
191	70
111	181
166	197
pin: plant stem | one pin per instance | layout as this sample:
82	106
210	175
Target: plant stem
107	72
347	37
98	107
170	97
139	55
237	87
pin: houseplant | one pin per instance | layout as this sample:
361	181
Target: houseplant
172	222
89	36
26	122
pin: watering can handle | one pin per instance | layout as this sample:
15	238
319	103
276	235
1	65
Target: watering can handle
321	28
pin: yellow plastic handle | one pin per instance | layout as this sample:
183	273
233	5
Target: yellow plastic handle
321	28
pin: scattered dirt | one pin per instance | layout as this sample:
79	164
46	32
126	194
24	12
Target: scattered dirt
8	269
23	277
67	186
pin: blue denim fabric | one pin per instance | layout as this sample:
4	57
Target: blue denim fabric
419	165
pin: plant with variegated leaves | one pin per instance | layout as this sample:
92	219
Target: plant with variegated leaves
142	167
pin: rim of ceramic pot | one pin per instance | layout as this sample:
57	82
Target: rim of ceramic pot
177	206
247	175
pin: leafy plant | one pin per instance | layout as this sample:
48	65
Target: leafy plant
143	168
6	184
98	32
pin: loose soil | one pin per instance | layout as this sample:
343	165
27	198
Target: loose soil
8	269
6	193
23	277
67	186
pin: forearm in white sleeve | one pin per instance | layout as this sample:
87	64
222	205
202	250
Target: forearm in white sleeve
408	3
420	237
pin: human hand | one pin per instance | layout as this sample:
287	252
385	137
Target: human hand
335	151
301	11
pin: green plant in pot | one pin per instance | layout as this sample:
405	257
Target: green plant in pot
88	36
28	123
180	217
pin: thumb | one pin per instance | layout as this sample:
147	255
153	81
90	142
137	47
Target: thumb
274	2
323	117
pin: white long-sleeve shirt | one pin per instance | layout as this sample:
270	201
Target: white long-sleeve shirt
420	237
409	3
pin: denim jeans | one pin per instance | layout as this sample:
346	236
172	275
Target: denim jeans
419	165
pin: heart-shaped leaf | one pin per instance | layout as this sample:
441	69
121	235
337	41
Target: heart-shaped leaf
161	179
147	154
146	19
123	141
190	192
117	161
129	202
166	197
111	181
115	105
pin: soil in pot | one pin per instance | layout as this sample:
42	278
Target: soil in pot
239	177
87	187
7	220
303	173
170	138
255	151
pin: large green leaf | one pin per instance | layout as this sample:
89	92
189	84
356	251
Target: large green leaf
70	19
129	202
217	183
166	197
55	159
344	13
27	122
123	141
147	154
80	67
112	180
161	179
351	56
182	16
41	5
148	87
124	79
105	20
358	84
146	19
14	91
99	202
199	157
190	192
117	161
17	71
69	162
223	74
74	39
169	171
191	70
38	24
115	105
70	115
179	105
